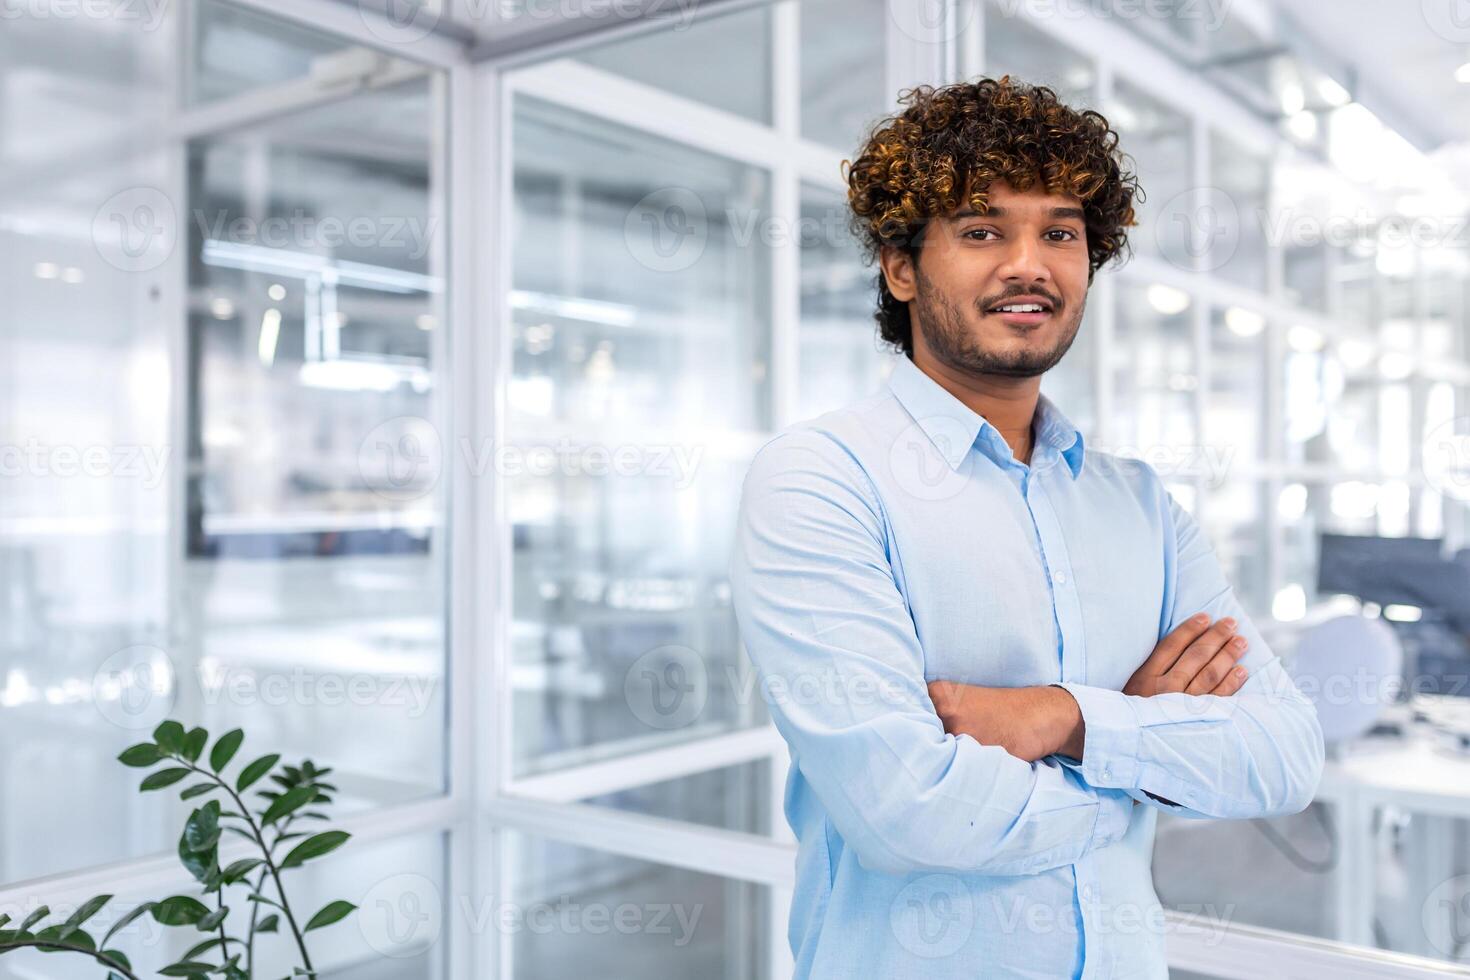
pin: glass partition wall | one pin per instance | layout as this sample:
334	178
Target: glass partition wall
424	441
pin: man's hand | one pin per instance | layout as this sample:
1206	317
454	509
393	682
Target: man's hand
1028	722
1196	658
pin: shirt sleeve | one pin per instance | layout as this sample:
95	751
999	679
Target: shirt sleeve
840	664
1255	753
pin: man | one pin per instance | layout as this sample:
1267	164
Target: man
995	654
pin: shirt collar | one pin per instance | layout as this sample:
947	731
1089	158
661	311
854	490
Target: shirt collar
954	427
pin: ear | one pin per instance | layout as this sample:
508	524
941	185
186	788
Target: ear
898	272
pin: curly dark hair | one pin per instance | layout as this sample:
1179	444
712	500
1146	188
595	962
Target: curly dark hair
916	164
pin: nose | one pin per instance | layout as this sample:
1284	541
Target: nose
1023	262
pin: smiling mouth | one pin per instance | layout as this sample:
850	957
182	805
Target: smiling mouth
1021	314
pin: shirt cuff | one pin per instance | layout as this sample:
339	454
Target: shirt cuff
1110	737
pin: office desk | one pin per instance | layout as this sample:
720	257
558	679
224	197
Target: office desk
1412	772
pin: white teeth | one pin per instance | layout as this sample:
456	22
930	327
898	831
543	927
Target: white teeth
1021	308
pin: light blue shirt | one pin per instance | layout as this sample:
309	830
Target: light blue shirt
898	541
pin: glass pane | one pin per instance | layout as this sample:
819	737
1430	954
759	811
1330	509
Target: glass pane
1154	376
1013	47
641	339
1236	407
237	50
577	912
842	77
89	226
732	798
1243	181
842	357
723	61
1157	138
315	588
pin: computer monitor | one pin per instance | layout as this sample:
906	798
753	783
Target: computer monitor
1357	565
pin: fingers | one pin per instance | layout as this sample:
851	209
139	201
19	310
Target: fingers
1200	653
1234	680
1212	674
1170	647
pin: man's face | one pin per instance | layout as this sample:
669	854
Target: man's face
1029	249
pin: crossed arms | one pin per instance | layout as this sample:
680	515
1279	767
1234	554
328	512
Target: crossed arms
819	611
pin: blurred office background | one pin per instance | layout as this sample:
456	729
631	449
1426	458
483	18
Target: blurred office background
299	304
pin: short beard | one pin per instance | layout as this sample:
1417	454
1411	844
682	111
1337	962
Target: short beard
943	326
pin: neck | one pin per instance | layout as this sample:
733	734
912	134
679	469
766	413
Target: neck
1007	403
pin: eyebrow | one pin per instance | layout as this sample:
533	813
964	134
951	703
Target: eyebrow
1000	212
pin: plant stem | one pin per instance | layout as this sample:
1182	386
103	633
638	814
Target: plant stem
266	854
97	955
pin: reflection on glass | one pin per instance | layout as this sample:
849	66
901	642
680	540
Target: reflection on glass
842	358
640	301
732	798
567	901
723	62
842	79
237	50
1154	376
314	596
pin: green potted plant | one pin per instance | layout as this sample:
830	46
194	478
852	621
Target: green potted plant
288	803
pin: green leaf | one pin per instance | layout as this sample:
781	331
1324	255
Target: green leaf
140	756
85	911
293	800
269	924
225	748
34	917
170	737
315	847
117	956
186	968
133	914
66	934
194	743
255	770
204	947
162	778
200	864
198	789
239	869
331	912
180	910
211	921
201	830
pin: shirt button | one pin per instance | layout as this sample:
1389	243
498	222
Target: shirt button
1061	578
1107	770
